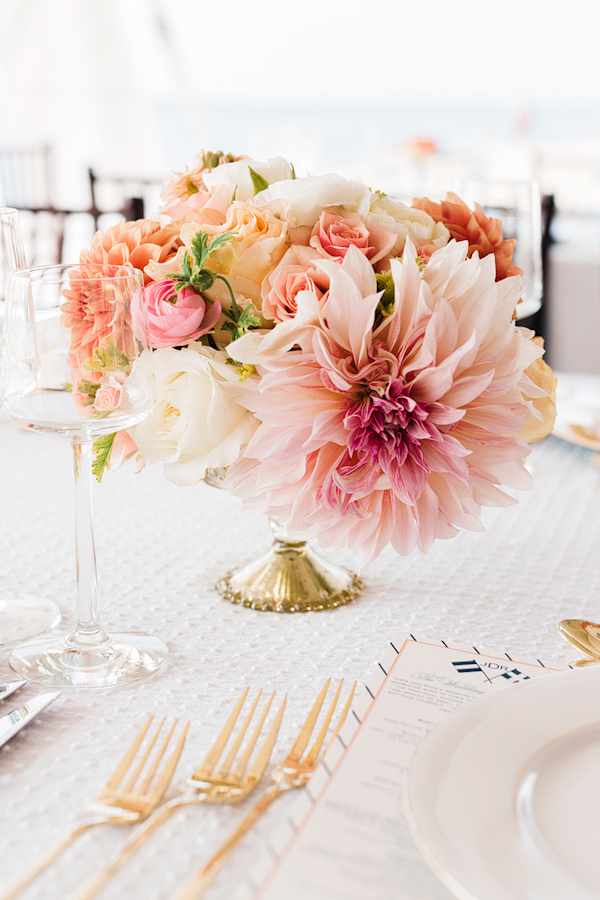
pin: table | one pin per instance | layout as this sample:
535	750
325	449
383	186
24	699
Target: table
160	550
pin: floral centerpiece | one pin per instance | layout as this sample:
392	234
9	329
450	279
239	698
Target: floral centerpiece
353	362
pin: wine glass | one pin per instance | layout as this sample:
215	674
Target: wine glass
518	205
73	366
22	615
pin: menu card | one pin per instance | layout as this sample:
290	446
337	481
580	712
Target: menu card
347	837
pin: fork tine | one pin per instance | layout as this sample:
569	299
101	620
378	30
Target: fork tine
223	771
307	729
117	776
342	718
251	743
215	751
155	763
314	750
164	780
262	758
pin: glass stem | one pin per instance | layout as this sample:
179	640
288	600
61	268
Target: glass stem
88	631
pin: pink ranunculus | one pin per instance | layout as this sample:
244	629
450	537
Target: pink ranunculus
108	395
296	272
161	317
334	234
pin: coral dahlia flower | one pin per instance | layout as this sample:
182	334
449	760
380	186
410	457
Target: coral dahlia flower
389	429
483	234
133	244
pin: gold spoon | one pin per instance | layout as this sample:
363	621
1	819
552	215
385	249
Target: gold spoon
583	635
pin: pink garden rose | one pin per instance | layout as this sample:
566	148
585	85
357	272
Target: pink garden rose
334	234
164	318
296	272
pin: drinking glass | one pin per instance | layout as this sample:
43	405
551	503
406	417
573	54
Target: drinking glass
74	366
518	205
21	615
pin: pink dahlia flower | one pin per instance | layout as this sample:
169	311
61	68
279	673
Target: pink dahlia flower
397	429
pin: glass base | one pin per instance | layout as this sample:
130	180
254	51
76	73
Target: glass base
290	578
22	616
121	660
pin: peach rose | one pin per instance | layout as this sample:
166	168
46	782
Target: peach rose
108	395
334	233
296	272
257	245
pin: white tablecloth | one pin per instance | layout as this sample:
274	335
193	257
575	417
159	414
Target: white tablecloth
160	551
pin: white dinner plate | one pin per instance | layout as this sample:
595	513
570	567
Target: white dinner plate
578	409
504	796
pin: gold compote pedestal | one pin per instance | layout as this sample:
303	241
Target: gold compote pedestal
291	577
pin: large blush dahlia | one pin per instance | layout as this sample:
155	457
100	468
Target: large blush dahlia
389	428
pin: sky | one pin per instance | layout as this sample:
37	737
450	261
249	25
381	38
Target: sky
392	49
141	85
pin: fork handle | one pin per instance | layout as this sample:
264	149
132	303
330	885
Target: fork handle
195	888
95	884
48	858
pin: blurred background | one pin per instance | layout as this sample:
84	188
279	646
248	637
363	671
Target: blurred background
100	101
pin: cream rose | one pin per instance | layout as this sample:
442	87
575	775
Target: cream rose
195	423
302	200
236	176
406	222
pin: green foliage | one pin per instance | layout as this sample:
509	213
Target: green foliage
211	159
102	448
106	358
260	183
241	320
90	389
385	283
193	270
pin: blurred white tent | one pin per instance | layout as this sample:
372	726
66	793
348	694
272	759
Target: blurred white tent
98	81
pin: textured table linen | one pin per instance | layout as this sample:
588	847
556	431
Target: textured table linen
160	551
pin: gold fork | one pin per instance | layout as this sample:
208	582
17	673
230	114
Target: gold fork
231	782
122	801
295	771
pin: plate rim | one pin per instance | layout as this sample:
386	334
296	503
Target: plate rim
448	736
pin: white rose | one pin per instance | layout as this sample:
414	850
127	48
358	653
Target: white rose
195	424
406	222
237	178
305	198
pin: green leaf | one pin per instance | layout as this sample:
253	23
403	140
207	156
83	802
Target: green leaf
385	283
201	250
219	241
210	160
102	448
260	184
293	171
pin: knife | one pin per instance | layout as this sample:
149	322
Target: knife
9	688
13	721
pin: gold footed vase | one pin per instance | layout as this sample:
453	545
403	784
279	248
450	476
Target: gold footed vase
290	578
